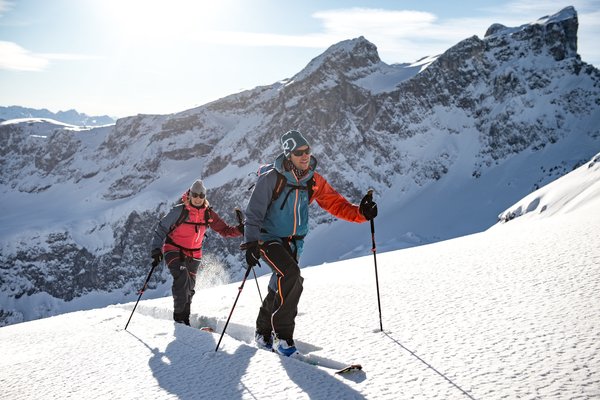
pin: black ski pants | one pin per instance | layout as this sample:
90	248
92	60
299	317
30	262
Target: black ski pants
280	307
184	270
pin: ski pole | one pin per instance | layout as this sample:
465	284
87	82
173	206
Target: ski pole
257	286
374	249
232	308
240	218
141	291
376	276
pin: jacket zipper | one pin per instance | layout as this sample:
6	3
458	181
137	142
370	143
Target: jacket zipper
297	220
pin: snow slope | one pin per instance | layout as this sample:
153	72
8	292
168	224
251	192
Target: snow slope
69	117
512	312
561	196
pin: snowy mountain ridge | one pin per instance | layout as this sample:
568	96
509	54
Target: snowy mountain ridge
71	117
569	192
447	146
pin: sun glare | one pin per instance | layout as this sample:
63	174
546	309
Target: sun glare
136	20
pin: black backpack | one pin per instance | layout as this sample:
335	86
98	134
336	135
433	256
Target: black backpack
184	214
182	220
282	183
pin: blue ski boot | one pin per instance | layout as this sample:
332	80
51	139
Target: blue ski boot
264	341
286	347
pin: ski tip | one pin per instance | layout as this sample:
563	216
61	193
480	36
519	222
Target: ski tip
207	329
350	368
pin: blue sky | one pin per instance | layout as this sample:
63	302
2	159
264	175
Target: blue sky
124	57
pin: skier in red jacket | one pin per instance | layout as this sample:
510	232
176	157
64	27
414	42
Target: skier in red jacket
178	238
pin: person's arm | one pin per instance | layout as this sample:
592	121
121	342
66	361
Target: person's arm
164	226
222	228
334	203
259	203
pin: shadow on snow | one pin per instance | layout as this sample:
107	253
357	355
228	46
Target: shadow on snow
189	367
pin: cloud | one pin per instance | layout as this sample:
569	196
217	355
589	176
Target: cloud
403	32
69	57
405	35
355	21
5	5
400	35
14	57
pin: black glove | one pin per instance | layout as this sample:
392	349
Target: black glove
157	256
240	217
240	228
368	208
252	253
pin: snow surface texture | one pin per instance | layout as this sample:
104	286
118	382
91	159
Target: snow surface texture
560	196
512	312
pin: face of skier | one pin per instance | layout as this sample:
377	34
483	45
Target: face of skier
197	199
301	157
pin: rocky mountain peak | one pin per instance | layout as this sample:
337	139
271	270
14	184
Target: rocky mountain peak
557	32
344	57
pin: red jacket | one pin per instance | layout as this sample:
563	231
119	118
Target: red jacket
188	235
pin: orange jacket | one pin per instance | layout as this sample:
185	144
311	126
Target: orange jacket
333	202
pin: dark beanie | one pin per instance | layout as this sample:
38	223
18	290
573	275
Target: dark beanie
198	187
291	140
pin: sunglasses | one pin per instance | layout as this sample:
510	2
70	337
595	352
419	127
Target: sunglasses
300	153
194	195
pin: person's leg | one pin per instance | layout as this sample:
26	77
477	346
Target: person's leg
192	265
263	321
178	288
288	289
264	329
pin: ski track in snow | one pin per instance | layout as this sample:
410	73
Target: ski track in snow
513	312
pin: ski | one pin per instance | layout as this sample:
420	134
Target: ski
349	368
315	361
336	367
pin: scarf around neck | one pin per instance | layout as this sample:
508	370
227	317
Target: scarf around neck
289	166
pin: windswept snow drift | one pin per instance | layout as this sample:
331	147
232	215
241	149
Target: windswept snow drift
567	193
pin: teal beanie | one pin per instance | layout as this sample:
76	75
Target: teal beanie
291	140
